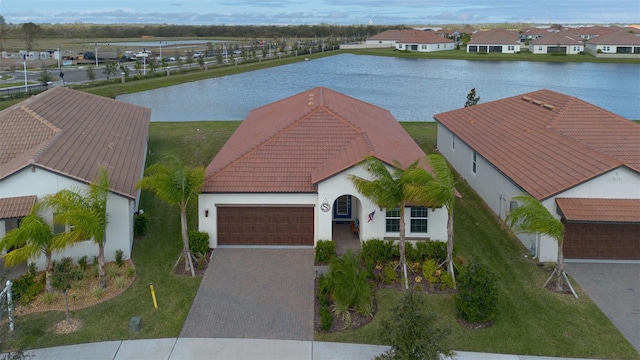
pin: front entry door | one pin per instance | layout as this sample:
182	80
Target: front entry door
342	207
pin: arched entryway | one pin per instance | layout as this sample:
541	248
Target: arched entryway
346	223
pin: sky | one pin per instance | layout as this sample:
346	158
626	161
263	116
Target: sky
312	12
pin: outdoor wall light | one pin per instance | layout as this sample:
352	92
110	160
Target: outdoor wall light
206	212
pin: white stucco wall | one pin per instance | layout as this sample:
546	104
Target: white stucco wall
505	47
427	47
497	190
328	191
42	182
542	49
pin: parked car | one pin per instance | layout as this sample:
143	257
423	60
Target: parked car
197	54
171	58
237	52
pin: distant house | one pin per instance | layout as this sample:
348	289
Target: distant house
556	43
492	41
59	140
425	41
390	38
529	34
283	177
582	162
618	44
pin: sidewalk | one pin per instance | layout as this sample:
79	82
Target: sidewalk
201	348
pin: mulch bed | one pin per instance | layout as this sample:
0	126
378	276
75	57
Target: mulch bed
422	285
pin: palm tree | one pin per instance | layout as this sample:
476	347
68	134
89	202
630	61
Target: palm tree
440	191
86	215
532	217
33	238
176	184
397	189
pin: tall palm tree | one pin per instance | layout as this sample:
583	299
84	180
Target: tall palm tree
85	212
532	217
439	190
176	184
33	238
396	189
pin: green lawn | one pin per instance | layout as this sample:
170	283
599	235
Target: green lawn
530	320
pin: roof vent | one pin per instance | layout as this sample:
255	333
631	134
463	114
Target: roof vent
537	102
526	98
311	99
548	106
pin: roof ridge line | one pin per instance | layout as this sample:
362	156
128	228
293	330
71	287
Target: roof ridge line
50	141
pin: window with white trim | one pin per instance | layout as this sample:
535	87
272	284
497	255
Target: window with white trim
419	219
453	142
474	167
393	220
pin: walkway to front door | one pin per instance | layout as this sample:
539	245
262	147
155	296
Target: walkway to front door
344	238
255	293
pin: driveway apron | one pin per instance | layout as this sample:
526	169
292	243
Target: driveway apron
615	288
256	293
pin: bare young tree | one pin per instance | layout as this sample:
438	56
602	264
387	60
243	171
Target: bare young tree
29	32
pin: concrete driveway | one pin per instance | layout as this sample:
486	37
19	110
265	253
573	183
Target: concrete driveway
255	293
615	288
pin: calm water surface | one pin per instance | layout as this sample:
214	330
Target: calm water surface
412	89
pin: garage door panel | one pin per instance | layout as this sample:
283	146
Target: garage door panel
602	241
265	225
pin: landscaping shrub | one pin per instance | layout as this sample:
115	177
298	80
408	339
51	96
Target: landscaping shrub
26	288
376	251
476	299
347	284
446	281
429	268
119	257
83	262
390	274
198	242
412	333
325	251
436	250
326	318
412	253
140	224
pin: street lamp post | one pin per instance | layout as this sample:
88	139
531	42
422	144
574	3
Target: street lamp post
160	49
96	44
24	62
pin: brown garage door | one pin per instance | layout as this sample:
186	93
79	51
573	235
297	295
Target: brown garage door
265	225
602	241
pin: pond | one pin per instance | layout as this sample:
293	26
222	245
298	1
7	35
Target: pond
411	89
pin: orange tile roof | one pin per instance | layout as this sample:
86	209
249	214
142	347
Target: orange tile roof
563	38
616	38
599	210
16	207
496	36
292	144
73	134
394	34
546	142
424	37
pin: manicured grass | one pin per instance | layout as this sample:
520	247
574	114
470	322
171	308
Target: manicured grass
530	320
153	255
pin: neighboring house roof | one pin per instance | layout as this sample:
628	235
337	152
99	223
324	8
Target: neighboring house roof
547	142
74	133
617	38
393	34
292	144
496	36
16	207
599	210
424	37
555	39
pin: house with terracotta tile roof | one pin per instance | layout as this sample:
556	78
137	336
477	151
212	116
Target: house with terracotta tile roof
495	40
532	33
282	177
389	38
562	43
616	44
581	161
425	41
59	139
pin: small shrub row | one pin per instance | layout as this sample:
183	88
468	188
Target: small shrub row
376	251
198	242
325	251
